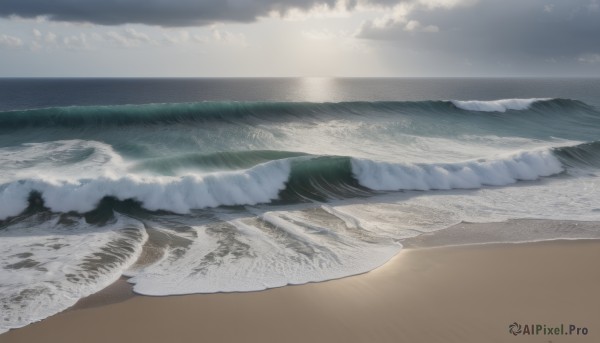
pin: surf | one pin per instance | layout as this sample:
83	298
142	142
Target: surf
173	113
240	196
292	180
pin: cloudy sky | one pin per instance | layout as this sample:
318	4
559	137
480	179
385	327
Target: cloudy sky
300	38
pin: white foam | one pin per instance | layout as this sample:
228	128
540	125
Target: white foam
13	199
496	105
297	245
46	268
527	165
259	184
245	255
272	246
67	159
313	242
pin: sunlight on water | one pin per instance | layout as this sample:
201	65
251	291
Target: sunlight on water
317	89
183	195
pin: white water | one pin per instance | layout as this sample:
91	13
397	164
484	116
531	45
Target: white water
270	247
442	181
262	183
249	253
259	184
47	266
496	105
527	165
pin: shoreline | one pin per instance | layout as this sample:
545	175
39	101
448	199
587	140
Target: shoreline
117	292
468	293
462	234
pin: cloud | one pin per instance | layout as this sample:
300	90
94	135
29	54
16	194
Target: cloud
398	20
50	40
226	37
549	8
492	30
178	37
40	40
415	25
128	38
181	13
214	35
320	35
8	41
163	12
76	42
589	58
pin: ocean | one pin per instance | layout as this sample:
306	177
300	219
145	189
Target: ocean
224	185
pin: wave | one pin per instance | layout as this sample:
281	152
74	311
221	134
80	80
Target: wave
154	114
528	165
583	155
214	161
46	269
290	180
497	105
259	184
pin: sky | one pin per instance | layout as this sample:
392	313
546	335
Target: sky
306	38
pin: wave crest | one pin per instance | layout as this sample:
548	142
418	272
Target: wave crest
231	112
259	184
497	105
295	179
527	165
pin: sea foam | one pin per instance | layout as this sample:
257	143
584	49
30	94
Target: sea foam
385	176
264	182
46	268
502	105
259	184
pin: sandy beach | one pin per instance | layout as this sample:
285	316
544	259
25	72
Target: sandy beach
441	294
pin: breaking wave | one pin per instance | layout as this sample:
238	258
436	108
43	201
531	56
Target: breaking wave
292	179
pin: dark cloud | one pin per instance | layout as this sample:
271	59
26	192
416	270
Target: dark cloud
502	37
524	29
154	12
162	12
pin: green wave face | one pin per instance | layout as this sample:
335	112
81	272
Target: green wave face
161	114
580	156
226	160
167	137
323	151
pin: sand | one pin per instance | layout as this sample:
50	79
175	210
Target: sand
442	294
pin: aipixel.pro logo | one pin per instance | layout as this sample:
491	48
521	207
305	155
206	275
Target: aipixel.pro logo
517	329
